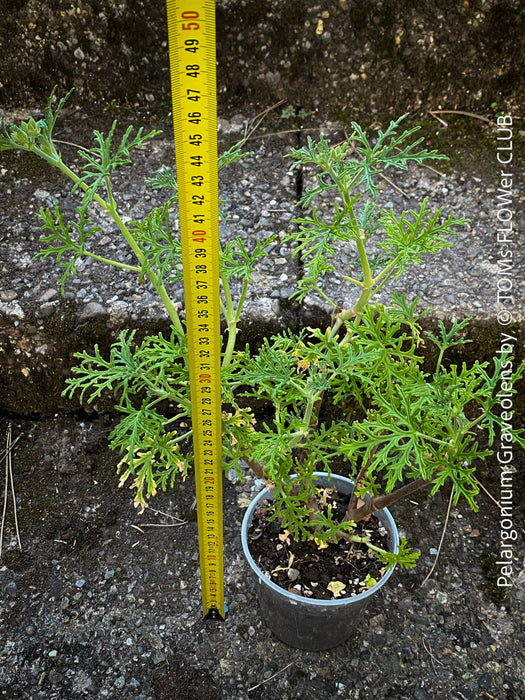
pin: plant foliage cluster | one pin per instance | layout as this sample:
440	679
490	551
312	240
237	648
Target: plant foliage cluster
416	429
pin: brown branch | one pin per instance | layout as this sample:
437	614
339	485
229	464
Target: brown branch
256	468
352	506
433	113
384	500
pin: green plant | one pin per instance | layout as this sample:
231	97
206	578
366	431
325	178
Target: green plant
414	429
142	375
290	112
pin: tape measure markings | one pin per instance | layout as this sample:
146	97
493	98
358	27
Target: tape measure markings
191	30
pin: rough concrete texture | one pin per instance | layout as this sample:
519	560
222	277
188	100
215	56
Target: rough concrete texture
334	58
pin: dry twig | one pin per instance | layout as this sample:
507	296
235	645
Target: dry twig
183	522
269	679
167	515
442	538
432	657
434	112
392	184
487	492
254	123
9	480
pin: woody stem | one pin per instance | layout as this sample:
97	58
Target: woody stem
384	500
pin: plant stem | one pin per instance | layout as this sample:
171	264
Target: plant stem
296	438
359	482
366	540
367	293
256	468
110	208
387	271
353	281
439	360
231	320
241	300
115	263
384	500
325	296
309	409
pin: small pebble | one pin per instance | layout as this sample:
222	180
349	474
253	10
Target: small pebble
293	574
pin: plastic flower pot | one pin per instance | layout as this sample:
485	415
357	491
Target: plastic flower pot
306	623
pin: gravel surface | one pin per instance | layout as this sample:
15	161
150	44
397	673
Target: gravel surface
259	200
103	602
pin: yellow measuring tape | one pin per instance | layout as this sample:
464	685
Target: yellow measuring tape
191	30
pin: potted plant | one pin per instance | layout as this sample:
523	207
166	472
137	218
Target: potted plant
409	428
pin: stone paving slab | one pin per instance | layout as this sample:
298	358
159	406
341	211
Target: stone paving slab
40	329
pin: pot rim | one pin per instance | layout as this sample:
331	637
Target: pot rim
294	598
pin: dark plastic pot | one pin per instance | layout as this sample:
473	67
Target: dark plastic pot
304	623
